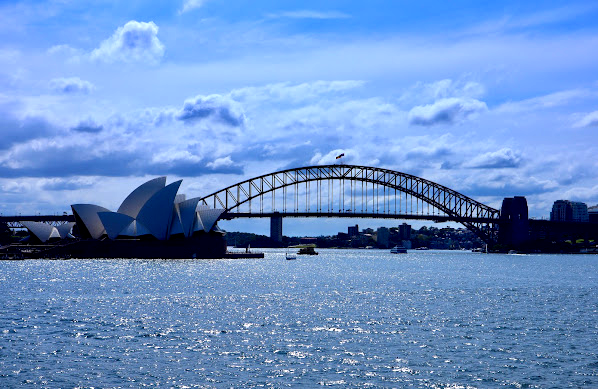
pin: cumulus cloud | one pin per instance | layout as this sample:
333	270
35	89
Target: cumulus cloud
220	163
445	111
88	126
71	85
589	120
217	107
51	159
16	130
15	187
421	93
503	158
133	42
588	194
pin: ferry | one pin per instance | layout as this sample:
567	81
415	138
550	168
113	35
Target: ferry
398	249
307	251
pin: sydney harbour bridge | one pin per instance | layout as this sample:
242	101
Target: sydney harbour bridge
354	192
348	191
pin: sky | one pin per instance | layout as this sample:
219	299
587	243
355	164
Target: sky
491	99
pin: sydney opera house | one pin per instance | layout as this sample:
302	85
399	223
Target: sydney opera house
152	222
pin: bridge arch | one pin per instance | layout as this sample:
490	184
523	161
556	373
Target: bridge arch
362	186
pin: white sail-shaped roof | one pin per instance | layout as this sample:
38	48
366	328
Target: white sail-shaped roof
137	199
65	229
87	214
140	229
42	231
175	225
209	217
187	213
197	224
114	222
135	229
156	213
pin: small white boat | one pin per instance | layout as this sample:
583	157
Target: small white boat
398	249
290	256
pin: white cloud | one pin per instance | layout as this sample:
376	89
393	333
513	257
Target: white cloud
503	158
135	41
425	92
60	184
348	156
63	50
587	194
71	85
220	163
589	120
189	5
548	101
216	107
16	187
294	92
174	156
445	111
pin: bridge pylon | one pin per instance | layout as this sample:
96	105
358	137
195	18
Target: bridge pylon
276	228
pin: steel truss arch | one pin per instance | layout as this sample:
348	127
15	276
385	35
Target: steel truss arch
476	216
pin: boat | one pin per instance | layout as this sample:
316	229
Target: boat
290	257
307	251
398	249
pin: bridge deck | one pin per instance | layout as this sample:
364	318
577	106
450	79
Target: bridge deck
436	218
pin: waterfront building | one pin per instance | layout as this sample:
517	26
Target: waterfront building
569	211
405	231
353	230
151	211
593	214
383	237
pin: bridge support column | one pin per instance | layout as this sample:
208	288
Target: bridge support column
513	230
276	228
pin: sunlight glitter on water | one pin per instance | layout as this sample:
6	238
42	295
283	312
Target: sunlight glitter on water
357	318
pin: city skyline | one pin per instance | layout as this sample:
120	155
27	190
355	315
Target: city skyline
491	100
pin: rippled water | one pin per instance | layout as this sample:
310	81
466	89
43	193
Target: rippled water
348	318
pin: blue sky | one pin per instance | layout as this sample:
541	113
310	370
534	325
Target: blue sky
492	100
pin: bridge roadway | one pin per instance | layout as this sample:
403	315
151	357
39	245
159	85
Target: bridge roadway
13	221
358	215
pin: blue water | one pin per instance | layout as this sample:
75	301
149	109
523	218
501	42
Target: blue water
346	318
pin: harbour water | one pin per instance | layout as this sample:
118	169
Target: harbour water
344	318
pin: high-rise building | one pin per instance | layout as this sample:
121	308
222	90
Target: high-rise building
383	237
580	212
405	231
569	211
353	230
